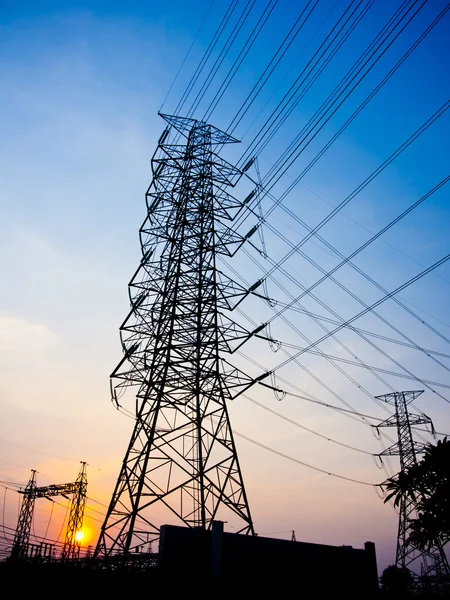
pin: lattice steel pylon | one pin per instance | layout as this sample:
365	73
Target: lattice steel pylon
181	466
74	529
77	490
431	562
23	529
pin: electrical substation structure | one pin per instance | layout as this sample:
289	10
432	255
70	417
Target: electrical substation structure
431	563
22	548
181	465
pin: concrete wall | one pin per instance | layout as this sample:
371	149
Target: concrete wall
260	563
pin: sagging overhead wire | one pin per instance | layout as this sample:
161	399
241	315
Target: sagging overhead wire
347	411
422	129
217	34
415	377
295	248
365	366
318	379
365	332
366	101
351	379
358	332
187	54
362	67
401	287
290	458
347	260
310	373
358	270
383	406
264	131
223	53
300	462
321	435
279	201
350	412
241	57
345	324
264	77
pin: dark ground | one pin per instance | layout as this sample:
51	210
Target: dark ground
23	579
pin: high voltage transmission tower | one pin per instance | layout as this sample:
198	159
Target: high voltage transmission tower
75	525
77	491
432	561
23	529
181	466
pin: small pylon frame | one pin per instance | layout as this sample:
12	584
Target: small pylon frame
74	529
431	562
23	529
181	465
77	491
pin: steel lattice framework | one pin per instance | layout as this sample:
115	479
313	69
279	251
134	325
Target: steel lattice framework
23	529
432	561
181	465
76	490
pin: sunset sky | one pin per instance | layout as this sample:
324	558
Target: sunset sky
81	84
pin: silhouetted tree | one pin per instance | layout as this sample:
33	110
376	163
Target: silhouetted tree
395	580
428	484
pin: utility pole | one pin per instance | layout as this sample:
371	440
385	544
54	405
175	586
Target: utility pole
181	465
432	562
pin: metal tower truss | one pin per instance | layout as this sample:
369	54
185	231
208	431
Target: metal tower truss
76	490
181	465
23	529
431	562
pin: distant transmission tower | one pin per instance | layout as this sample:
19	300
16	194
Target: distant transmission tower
181	466
23	529
21	545
432	562
74	530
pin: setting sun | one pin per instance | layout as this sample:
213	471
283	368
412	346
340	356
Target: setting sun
79	536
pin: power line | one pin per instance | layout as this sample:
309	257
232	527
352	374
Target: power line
359	333
367	99
231	8
364	366
336	95
239	60
320	402
343	345
300	462
187	54
366	332
238	117
38	451
360	387
422	129
320	381
223	53
368	242
293	90
328	439
371	307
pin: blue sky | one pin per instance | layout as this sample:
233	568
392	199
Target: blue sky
80	87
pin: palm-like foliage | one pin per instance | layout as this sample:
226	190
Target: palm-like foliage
426	483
